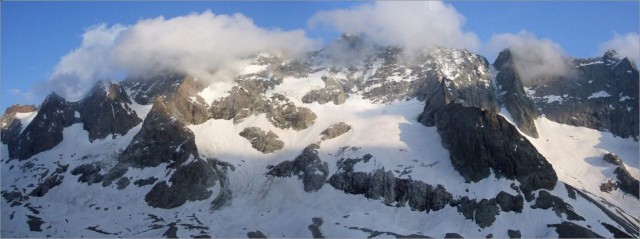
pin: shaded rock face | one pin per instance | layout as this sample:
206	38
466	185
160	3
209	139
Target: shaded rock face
572	230
332	92
510	203
483	213
45	131
480	141
612	159
335	130
50	182
602	95
383	185
266	142
308	166
545	201
89	173
624	180
190	182
510	87
145	89
151	146
192	176
106	111
514	234
10	126
248	99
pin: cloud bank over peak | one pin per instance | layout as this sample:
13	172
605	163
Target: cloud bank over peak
200	44
535	59
626	45
413	25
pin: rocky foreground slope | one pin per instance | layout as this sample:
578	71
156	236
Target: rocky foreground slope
443	145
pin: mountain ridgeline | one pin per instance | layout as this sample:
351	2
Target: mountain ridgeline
445	134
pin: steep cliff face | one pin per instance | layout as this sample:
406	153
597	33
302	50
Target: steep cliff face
45	130
602	95
106	111
511	92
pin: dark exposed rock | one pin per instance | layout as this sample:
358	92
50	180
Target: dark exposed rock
122	183
381	184
50	182
617	233
106	111
602	94
89	173
510	86
626	182
514	234
453	235
256	234
189	183
315	227
45	186
571	230
308	166
335	130
612	159
186	105
34	223
145	89
151	146
265	142
480	141
483	213
510	203
145	182
172	231
332	92
15	197
45	131
545	201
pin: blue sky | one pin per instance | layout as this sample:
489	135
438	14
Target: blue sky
35	35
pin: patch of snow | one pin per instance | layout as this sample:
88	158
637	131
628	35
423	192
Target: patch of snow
26	118
599	94
553	98
215	91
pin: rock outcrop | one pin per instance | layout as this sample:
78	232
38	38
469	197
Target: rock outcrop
105	111
10	126
335	130
480	141
512	94
45	131
307	166
333	91
266	142
601	94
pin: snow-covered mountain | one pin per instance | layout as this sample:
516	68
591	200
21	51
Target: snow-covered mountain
440	144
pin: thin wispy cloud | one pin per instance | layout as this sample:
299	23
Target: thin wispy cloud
627	45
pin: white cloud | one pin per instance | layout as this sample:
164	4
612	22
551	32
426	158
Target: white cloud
535	59
414	25
200	44
627	45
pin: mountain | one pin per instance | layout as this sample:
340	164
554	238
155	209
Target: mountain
439	144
